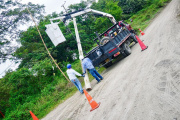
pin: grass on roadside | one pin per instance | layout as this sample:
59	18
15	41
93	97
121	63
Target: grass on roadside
144	17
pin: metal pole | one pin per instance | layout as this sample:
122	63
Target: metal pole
86	78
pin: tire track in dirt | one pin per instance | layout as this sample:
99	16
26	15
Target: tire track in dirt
144	85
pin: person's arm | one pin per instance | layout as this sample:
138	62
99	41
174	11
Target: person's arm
76	73
84	67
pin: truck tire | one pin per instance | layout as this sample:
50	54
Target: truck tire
133	32
122	52
108	64
134	37
105	40
126	48
124	55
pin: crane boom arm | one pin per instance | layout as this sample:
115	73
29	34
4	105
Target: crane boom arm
81	12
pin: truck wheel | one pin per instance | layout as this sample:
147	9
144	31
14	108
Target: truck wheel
133	32
108	65
105	40
124	54
127	49
133	37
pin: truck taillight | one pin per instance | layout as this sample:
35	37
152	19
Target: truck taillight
118	53
112	50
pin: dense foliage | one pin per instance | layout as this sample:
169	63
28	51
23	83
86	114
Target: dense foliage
12	15
37	85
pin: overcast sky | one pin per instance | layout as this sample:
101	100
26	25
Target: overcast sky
50	6
53	5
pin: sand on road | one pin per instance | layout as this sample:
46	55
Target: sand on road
143	86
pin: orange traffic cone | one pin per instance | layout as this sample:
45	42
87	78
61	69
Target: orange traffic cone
142	33
2	114
33	116
93	103
143	47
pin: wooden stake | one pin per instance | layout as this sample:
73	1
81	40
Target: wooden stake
2	114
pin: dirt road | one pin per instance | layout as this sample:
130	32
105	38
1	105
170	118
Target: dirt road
143	86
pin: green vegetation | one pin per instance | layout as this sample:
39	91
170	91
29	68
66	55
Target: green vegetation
143	17
37	84
12	15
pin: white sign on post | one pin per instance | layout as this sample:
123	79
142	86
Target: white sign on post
55	34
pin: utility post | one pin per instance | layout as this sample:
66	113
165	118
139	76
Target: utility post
86	78
57	37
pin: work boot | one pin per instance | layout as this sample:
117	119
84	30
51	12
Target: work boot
98	81
82	92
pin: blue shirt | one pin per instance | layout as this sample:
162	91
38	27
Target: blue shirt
87	64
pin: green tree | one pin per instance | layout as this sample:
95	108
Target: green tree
107	6
132	6
12	15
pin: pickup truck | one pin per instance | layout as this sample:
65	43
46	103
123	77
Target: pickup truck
111	43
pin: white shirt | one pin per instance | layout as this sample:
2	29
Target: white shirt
72	74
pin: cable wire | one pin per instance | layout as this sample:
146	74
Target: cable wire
46	46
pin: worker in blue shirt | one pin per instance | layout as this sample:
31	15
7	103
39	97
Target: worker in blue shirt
87	65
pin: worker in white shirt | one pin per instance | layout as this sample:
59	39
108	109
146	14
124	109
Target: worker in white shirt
72	76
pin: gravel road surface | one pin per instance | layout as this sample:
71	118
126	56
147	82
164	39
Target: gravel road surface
143	86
